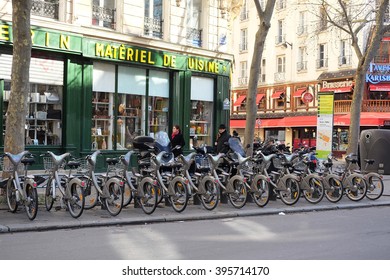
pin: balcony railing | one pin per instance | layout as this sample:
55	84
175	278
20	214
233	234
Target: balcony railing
244	15
322	63
243	47
301	29
302	66
280	76
344	60
381	59
47	9
153	27
340	107
280	39
102	16
194	37
280	4
242	81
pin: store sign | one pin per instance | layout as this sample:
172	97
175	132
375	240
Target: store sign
47	39
378	73
324	124
339	84
307	97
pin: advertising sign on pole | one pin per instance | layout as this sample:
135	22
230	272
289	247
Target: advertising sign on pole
325	124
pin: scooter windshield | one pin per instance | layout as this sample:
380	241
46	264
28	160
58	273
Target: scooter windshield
162	141
236	146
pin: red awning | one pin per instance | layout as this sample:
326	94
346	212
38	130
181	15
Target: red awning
366	119
239	100
337	90
300	121
380	87
299	92
277	94
259	97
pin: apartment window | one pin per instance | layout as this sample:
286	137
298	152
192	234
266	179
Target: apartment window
244	11
103	13
302	28
280	38
323	20
344	59
153	18
302	59
45	8
322	57
383	53
262	71
243	79
281	4
280	75
194	14
244	39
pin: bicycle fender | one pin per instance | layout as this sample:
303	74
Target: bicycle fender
74	180
202	190
229	187
305	182
112	180
30	181
258	177
282	181
140	192
331	176
349	179
177	179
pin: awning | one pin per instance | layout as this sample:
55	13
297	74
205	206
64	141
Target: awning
337	90
277	94
259	97
299	92
299	121
380	87
366	119
239	100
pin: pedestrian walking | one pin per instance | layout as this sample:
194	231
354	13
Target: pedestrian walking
177	139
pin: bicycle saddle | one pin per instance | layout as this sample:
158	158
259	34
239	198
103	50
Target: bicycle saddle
57	160
16	159
215	159
242	159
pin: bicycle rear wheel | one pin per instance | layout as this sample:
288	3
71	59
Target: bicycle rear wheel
358	188
179	198
49	199
260	191
76	201
375	186
127	194
32	202
147	196
114	203
239	195
90	194
334	192
210	198
316	192
11	196
290	196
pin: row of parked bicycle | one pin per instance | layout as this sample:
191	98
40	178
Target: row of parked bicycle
199	175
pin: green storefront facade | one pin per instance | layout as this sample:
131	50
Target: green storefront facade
100	94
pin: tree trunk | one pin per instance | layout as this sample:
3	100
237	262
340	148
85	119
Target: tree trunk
17	107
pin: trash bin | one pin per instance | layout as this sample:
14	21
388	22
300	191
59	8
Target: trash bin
374	144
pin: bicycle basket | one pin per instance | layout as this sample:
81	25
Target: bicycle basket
48	164
202	162
84	166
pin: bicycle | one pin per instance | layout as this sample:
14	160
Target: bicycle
71	188
21	190
107	190
332	182
354	183
374	182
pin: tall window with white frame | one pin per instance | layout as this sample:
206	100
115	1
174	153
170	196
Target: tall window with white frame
281	67
302	59
244	11
104	13
263	71
153	18
244	39
280	38
243	79
344	57
194	16
302	28
322	61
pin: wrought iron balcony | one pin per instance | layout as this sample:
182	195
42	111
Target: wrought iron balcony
194	37
153	27
102	16
302	65
47	9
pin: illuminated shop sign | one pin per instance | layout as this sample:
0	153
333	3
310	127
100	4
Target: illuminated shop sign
378	73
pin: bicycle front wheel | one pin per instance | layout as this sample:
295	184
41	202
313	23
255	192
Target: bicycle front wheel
210	198
375	186
32	202
147	195
316	191
178	194
291	194
127	194
76	201
90	194
49	199
334	192
239	194
114	203
11	196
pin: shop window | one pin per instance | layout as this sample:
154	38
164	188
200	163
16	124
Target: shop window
102	126
340	139
202	97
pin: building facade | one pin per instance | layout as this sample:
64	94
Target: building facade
105	71
302	57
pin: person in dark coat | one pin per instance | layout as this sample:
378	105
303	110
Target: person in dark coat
222	138
177	139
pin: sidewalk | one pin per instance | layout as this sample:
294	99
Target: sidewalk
97	217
